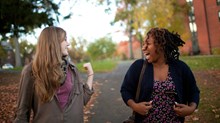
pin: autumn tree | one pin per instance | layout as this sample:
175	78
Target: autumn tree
77	50
139	16
167	14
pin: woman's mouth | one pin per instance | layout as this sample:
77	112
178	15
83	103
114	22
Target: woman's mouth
147	55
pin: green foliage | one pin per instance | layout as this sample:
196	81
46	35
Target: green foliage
19	17
22	16
26	48
202	62
102	48
100	66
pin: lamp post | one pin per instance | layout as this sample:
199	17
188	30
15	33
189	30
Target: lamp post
193	29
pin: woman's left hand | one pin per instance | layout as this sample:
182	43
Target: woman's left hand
90	73
88	68
183	110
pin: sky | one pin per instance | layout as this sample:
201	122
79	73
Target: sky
88	21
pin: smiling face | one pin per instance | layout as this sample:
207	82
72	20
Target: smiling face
64	47
151	51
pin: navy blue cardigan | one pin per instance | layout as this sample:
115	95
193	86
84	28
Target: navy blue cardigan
186	88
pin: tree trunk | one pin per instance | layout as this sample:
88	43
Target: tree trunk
130	46
17	52
141	41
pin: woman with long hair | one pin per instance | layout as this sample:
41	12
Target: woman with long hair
50	85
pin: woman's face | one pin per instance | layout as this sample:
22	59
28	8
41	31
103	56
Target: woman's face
64	47
149	50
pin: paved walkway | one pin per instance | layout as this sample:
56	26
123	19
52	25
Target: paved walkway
109	106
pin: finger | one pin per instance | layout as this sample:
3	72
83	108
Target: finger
144	103
180	105
176	109
149	107
149	103
88	67
87	64
146	112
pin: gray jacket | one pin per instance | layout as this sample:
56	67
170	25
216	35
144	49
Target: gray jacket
51	112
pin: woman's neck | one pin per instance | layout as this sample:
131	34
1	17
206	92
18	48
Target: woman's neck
160	63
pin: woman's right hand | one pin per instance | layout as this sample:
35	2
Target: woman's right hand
141	108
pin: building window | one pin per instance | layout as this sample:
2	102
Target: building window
193	27
192	0
218	2
219	15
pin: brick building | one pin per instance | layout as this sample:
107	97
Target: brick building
205	24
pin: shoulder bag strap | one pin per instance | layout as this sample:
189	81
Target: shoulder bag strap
139	82
140	79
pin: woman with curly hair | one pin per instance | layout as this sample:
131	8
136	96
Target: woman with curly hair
168	90
50	86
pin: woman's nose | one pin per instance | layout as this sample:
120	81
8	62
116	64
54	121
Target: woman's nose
68	44
144	47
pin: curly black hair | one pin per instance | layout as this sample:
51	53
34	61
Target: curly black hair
167	41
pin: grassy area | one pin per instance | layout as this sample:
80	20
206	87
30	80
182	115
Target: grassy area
100	66
207	72
209	107
202	62
195	63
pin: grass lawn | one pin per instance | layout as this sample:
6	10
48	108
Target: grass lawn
100	66
202	62
207	72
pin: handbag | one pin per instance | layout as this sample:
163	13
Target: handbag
131	119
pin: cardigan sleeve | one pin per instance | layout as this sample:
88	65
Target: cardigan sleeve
23	110
193	92
129	85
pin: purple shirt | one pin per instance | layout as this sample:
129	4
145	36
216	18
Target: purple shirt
63	91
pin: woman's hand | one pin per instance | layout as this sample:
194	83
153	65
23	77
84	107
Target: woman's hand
141	108
88	68
184	110
90	73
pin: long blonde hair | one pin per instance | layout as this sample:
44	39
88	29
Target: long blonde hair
47	62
